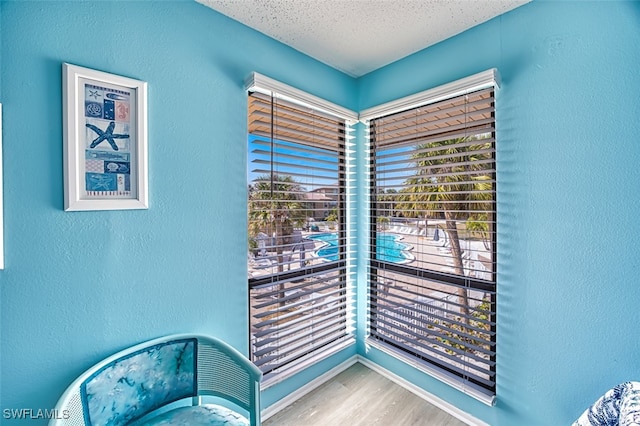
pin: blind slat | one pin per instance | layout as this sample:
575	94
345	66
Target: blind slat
436	117
312	151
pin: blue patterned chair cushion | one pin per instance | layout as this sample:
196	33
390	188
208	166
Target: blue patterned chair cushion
619	406
200	415
134	385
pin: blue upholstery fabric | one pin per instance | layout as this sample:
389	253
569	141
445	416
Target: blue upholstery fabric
200	415
139	383
619	406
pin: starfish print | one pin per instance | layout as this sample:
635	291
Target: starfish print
100	182
107	135
93	94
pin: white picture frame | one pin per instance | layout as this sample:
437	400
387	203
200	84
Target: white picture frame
1	199
104	140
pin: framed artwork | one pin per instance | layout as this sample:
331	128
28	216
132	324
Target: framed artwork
105	140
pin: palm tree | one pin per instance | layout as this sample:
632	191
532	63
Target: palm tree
450	178
387	199
275	205
478	224
412	202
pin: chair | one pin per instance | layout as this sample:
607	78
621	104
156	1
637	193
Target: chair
136	385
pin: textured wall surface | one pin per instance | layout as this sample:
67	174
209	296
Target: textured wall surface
568	204
80	286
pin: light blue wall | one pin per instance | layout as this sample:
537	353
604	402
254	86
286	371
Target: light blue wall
1	232
79	286
568	155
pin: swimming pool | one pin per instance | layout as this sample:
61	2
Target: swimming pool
388	248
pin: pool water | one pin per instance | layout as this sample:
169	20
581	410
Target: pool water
388	249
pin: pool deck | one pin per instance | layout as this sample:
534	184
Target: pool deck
422	251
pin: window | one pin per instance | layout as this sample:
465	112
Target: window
432	275
298	266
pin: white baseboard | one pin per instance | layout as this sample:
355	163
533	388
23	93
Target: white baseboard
312	385
418	391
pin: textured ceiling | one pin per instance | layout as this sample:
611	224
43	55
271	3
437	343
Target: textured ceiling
359	36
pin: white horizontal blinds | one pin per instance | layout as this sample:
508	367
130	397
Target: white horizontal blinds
433	234
299	302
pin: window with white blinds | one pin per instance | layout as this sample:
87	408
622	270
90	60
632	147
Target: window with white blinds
432	280
300	303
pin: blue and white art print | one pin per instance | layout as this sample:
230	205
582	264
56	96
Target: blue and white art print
109	142
105	140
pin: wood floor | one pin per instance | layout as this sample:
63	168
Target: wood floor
360	396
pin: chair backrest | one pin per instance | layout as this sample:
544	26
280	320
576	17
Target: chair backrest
226	373
140	382
143	378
